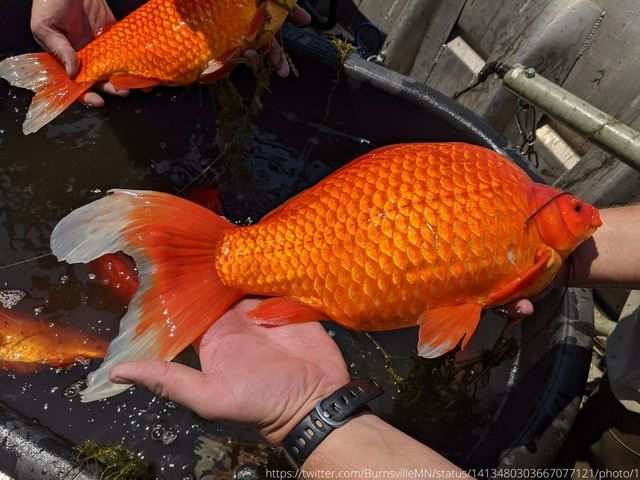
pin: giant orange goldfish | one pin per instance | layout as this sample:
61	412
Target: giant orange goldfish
417	234
164	42
29	343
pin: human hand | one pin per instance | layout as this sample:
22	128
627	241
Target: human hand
270	377
299	16
63	26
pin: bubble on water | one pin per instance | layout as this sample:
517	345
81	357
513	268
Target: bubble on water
64	279
156	432
96	191
246	472
54	389
169	436
332	333
173	99
92	276
74	389
11	297
1	131
38	310
45	407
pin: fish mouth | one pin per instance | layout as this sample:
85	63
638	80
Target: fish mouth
596	221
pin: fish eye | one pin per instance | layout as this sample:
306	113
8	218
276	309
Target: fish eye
577	208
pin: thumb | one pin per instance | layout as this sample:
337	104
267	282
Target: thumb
56	43
517	310
174	381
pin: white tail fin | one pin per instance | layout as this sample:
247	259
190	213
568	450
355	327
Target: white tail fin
173	242
44	75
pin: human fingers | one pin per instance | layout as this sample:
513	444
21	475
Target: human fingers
92	99
518	310
300	16
174	381
111	90
279	60
57	44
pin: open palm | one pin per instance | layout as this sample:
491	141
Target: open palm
269	377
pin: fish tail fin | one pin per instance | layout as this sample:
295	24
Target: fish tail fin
174	243
44	75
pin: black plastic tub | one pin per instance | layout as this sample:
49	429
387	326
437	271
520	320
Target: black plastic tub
508	402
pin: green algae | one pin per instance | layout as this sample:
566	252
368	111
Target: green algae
116	461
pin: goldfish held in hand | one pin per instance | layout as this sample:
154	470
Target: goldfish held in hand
163	42
425	235
29	343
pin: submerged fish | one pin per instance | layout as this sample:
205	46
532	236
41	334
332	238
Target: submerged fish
164	42
416	234
117	272
29	343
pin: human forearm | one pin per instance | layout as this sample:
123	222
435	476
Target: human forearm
367	443
612	257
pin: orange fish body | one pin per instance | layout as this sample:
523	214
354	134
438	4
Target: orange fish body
398	232
178	42
415	234
29	343
163	42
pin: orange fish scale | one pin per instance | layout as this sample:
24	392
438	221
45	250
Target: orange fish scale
404	229
169	40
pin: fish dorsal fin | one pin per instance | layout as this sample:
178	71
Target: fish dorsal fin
284	311
441	329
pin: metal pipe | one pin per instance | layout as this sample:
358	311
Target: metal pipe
596	125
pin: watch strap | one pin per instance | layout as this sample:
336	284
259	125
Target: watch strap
328	414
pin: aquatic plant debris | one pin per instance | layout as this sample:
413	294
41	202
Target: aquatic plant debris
344	48
220	458
117	462
235	120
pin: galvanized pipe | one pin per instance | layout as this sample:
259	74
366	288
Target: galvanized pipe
596	125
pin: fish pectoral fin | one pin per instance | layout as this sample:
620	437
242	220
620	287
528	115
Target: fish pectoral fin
524	282
441	329
218	68
283	311
123	81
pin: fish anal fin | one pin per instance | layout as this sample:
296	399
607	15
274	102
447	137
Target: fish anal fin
526	283
284	311
441	329
123	81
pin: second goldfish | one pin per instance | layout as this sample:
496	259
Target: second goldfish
164	42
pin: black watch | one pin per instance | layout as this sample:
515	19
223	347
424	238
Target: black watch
328	414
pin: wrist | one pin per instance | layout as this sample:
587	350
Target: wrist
276	431
329	414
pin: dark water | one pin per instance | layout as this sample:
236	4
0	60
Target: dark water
168	140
